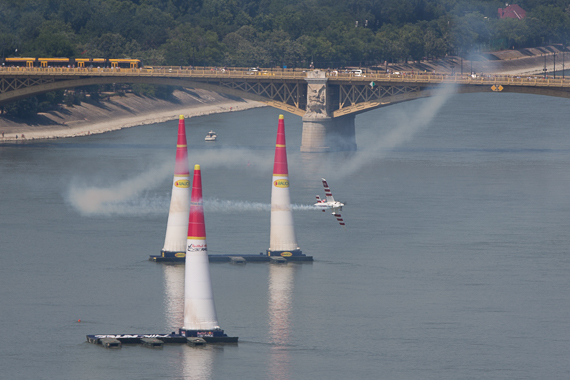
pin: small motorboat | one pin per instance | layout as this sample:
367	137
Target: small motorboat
211	136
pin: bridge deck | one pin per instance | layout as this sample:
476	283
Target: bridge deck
285	89
328	107
291	74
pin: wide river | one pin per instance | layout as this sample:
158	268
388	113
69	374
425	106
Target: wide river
455	263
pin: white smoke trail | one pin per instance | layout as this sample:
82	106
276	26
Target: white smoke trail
112	201
378	146
142	205
217	205
122	198
130	197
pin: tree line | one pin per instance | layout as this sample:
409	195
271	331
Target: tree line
274	33
329	33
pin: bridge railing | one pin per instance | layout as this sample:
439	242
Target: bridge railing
277	73
159	71
489	79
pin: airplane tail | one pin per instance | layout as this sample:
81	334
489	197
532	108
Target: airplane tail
319	200
328	193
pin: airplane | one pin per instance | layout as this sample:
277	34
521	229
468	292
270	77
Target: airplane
329	202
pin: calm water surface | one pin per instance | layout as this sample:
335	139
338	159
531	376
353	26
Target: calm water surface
455	262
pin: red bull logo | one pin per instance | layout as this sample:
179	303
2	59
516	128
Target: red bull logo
197	248
286	254
184	183
281	183
180	254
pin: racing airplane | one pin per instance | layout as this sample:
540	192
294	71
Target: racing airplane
329	202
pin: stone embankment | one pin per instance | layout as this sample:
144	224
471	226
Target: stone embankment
530	61
118	112
132	110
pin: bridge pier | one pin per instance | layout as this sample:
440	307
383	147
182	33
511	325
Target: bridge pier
328	134
321	131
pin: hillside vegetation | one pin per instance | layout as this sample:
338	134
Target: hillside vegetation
266	33
294	33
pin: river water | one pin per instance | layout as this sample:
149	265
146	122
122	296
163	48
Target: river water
454	264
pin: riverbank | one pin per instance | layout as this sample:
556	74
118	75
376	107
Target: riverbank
117	113
519	62
131	110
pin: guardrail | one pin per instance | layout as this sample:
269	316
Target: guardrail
333	76
527	80
155	71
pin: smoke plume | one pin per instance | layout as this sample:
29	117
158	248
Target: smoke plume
377	146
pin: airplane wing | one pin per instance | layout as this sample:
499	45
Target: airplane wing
336	207
328	193
339	218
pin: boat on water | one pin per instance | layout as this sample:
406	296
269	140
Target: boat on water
211	136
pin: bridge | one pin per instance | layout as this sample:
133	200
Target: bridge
328	101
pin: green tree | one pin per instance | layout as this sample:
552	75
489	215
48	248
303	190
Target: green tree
468	31
55	39
319	50
515	31
108	17
109	45
242	49
389	43
554	20
219	15
75	13
266	32
280	50
25	108
149	27
153	91
152	57
412	38
49	100
6	44
189	45
71	98
434	45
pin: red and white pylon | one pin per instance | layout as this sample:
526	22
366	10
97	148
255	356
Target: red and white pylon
199	309
282	241
177	225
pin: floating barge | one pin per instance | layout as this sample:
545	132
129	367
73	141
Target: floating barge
282	257
191	337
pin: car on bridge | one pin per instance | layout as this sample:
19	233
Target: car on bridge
357	73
